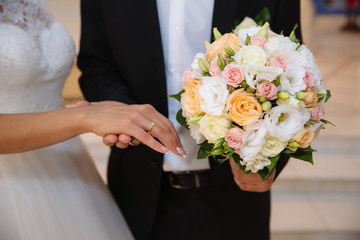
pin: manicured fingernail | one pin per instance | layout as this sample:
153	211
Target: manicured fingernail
181	151
164	150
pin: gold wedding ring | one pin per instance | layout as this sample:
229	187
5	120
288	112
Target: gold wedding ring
151	127
131	144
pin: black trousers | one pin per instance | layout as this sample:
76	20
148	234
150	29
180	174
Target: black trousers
190	214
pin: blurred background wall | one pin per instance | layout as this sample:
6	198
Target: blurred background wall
320	202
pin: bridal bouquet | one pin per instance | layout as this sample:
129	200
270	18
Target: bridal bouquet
252	96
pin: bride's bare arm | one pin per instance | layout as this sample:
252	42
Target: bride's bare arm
28	131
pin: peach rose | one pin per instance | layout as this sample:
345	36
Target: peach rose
316	113
309	80
305	137
186	76
214	67
267	89
278	62
258	41
243	107
311	100
234	138
233	74
191	100
227	40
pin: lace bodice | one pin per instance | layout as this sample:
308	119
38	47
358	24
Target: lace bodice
36	55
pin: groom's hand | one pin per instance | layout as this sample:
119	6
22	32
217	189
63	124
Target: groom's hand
251	182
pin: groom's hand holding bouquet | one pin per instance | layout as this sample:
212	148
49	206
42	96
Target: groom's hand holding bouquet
252	96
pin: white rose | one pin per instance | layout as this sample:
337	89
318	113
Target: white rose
214	92
253	140
273	146
292	80
284	121
251	55
255	163
195	133
195	63
257	73
214	127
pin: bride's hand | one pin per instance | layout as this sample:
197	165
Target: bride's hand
251	182
109	119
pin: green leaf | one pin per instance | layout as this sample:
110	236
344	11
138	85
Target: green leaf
177	96
327	122
205	150
304	154
328	95
263	16
248	39
181	119
237	160
263	173
274	161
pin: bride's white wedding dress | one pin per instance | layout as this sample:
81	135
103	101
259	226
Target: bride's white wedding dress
54	192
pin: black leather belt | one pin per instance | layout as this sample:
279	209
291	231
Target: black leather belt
189	179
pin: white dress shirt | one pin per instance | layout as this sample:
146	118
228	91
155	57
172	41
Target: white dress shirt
184	26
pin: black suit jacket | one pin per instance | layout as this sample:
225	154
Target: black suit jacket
121	59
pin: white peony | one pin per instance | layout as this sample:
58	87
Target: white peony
214	127
214	92
195	63
257	73
253	140
255	163
195	133
273	146
292	80
284	121
251	55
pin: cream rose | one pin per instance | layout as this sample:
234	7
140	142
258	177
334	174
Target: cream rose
195	133
311	99
191	99
214	92
254	164
251	55
243	107
229	40
273	146
214	127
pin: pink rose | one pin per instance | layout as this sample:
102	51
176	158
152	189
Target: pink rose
233	74
267	90
309	80
316	113
234	138
186	76
214	67
258	41
278	62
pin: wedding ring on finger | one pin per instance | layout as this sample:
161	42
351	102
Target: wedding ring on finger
131	144
151	127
